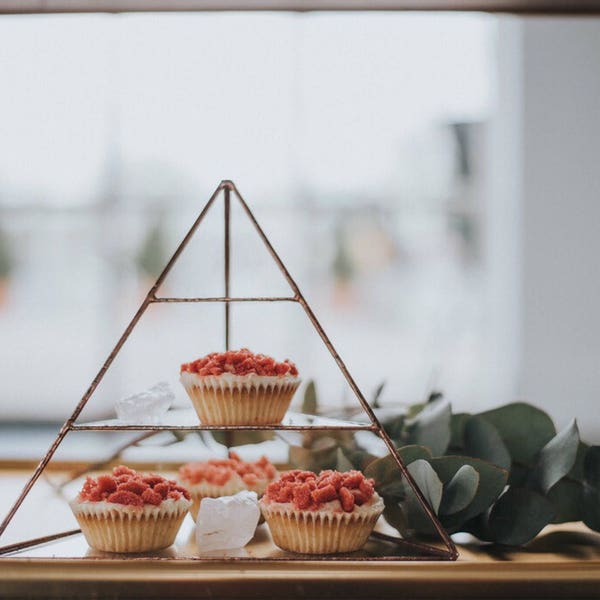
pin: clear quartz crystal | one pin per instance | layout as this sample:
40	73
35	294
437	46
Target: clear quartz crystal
227	522
147	407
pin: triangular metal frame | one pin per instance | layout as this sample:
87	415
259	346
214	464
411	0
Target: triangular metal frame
227	187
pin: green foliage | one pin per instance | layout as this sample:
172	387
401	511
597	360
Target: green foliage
524	429
482	440
422	424
152	256
6	258
460	491
519	515
502	475
591	488
492	480
555	459
309	404
378	391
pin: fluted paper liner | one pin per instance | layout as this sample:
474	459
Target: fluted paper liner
114	527
201	490
320	532
240	400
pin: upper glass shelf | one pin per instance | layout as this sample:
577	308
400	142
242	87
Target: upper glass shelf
187	419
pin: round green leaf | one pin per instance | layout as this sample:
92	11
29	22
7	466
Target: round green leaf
591	507
460	491
524	429
567	498
591	488
482	440
386	472
427	481
518	516
555	459
492	480
591	467
404	510
458	422
577	471
431	426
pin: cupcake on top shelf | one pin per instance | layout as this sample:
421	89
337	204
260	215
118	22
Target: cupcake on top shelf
127	511
321	514
225	477
239	387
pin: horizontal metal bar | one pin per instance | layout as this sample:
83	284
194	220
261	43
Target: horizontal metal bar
118	6
349	427
226	299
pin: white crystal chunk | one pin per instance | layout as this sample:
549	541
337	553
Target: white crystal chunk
227	522
147	407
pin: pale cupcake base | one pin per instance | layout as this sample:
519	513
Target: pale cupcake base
202	490
125	529
236	400
319	532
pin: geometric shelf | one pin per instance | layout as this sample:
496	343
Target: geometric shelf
186	420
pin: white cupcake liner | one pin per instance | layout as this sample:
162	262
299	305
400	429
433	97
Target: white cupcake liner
240	400
236	484
112	527
319	532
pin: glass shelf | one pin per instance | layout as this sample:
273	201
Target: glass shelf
186	419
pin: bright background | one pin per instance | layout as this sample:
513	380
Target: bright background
431	181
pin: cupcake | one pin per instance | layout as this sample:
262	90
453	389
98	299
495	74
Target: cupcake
240	388
129	511
225	477
321	514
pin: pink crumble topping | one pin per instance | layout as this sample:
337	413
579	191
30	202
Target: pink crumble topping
130	488
220	471
308	491
240	362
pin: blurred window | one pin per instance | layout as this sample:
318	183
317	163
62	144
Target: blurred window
356	138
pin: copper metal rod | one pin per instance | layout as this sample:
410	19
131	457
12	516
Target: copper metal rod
184	242
97	465
226	253
69	422
37	541
226	299
342	366
396	540
349	427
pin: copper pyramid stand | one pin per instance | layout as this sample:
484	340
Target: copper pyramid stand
420	551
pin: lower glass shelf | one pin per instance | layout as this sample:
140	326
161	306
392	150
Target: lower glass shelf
261	547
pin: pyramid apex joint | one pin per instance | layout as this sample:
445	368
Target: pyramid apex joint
227	184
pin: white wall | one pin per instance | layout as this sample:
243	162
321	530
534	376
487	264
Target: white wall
555	200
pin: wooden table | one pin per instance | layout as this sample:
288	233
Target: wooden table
564	561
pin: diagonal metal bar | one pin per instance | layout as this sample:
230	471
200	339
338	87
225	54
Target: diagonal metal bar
69	422
342	366
37	541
